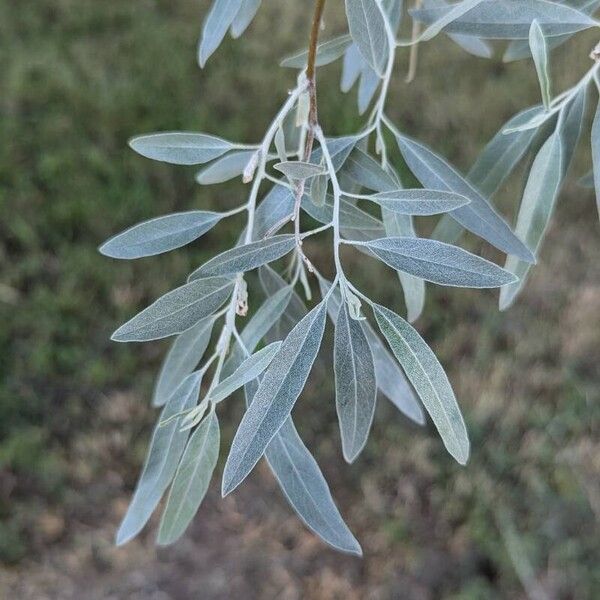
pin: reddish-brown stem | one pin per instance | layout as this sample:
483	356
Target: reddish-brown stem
312	116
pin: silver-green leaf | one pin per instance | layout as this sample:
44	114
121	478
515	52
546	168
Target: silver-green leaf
539	52
278	391
160	235
538	201
355	385
439	263
247	257
191	480
182	358
180	148
250	369
225	168
166	447
429	380
367	28
220	17
176	311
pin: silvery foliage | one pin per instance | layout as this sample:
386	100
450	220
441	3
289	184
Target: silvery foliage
358	196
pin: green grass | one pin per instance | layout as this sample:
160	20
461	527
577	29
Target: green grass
77	79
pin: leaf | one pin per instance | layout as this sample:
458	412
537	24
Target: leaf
327	52
352	67
414	288
369	82
259	325
539	51
180	148
225	168
571	126
439	263
478	216
518	49
166	448
220	17
351	217
492	167
306	490
538	201
183	357
318	190
249	370
298	170
339	149
355	386
245	15
454	12
279	389
502	154
191	480
429	380
247	257
273	212
160	235
419	201
295	311
367	28
176	311
390	378
509	19
367	172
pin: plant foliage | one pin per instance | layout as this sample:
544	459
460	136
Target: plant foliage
350	187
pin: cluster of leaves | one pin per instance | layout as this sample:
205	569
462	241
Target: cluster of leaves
357	194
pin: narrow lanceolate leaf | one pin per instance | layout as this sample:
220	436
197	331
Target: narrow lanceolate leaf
259	325
225	168
244	17
439	263
166	447
160	235
367	28
176	311
216	24
478	216
304	486
306	490
391	381
429	380
518	49
493	166
180	148
414	288
327	52
367	172
509	19
502	154
351	216
571	126
454	12
596	154
538	201
539	52
296	170
247	257
279	389
355	386
183	357
419	202
191	480
249	370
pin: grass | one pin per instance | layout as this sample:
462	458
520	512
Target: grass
78	78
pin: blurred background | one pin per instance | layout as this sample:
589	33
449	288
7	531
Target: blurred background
77	79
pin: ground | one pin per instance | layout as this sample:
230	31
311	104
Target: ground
78	78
